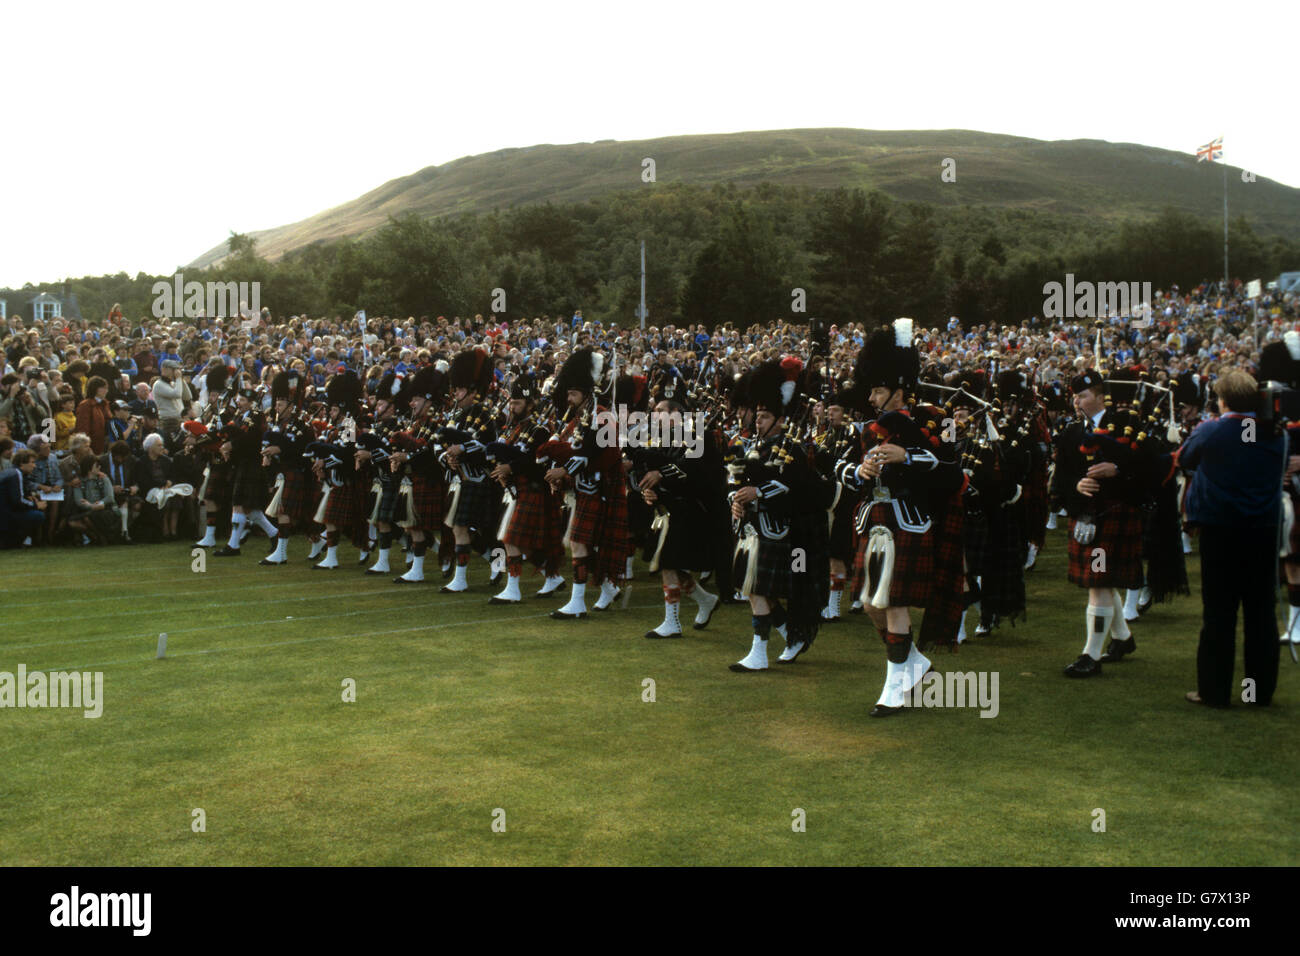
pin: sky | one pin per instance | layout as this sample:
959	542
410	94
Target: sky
140	134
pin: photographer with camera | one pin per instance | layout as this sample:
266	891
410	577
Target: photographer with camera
1236	500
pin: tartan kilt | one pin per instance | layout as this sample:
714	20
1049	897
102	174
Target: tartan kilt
536	526
428	497
297	500
388	488
248	488
771	568
1119	535
588	515
914	558
477	504
691	540
219	482
344	506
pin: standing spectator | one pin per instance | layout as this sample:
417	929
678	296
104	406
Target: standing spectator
93	414
171	394
1236	501
65	420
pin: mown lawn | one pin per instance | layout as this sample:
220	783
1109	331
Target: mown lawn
463	709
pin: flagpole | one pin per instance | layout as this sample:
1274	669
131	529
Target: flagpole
1225	228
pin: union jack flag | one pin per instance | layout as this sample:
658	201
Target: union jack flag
1210	151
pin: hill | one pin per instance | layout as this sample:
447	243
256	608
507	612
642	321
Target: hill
1076	178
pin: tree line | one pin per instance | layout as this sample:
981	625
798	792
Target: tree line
725	254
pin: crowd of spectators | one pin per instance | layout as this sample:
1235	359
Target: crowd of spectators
91	412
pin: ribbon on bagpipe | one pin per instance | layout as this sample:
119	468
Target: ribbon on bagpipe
326	489
376	489
880	542
273	509
203	488
509	499
450	520
747	544
570	502
660	524
406	492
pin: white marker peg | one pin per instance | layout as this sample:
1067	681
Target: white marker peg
162	646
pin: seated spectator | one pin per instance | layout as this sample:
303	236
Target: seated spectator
78	450
94	510
123	470
93	414
47	480
20	517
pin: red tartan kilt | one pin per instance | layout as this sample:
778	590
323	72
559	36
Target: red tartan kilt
429	504
344	506
1119	536
535	527
297	500
587	519
914	560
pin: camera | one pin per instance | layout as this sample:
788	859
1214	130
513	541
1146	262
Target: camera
1277	406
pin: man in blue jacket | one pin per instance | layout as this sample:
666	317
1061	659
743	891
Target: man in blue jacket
1236	500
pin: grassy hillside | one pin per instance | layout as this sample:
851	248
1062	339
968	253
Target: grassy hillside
462	709
1077	178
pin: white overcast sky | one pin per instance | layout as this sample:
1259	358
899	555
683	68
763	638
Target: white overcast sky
139	134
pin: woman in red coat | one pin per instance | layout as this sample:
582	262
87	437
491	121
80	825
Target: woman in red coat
93	414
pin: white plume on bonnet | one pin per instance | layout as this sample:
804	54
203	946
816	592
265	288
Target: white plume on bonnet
441	365
1292	340
903	333
787	392
597	366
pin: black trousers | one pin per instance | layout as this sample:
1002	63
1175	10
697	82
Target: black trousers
1238	566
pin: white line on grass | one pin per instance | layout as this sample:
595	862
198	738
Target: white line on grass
325	637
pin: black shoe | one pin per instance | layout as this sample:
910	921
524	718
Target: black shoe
1143	608
1116	650
272	564
401	580
449	571
501	600
445	589
1085	666
226	552
559	588
317	567
495	579
656	636
880	710
739	668
561	616
374	572
698	626
855	610
617	594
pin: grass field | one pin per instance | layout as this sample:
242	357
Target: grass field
462	709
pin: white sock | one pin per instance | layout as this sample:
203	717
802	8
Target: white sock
237	522
209	538
1099	619
1130	604
459	582
1292	632
382	563
282	548
264	523
1187	543
374	534
1119	628
552	583
331	558
1033	553
1051	521
316	547
756	659
628	573
416	570
961	631
706	601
